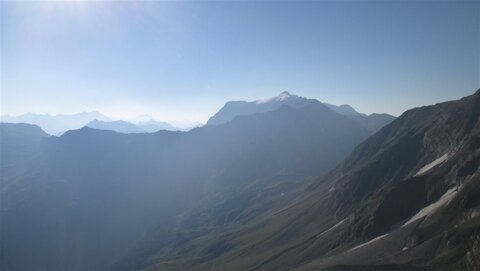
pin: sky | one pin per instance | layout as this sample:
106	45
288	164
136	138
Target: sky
183	60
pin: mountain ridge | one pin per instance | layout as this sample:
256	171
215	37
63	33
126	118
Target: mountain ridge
119	126
231	109
60	123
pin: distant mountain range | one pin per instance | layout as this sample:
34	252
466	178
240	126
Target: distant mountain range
126	127
58	124
117	126
151	126
238	108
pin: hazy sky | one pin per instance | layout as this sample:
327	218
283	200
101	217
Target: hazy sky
184	60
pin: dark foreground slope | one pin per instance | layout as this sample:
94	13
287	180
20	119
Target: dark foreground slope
408	198
84	200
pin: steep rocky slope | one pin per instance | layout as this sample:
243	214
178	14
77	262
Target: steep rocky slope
405	199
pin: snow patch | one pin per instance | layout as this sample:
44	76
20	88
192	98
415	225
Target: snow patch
263	101
433	164
283	96
280	98
432	208
475	214
369	242
331	228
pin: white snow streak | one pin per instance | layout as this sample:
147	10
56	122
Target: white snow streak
438	161
280	98
369	242
331	228
430	209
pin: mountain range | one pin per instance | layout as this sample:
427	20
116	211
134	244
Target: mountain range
232	109
121	126
58	124
287	183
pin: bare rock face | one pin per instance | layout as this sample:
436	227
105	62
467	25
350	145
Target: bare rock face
473	259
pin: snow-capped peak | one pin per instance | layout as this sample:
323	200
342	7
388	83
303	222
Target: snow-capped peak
283	96
280	98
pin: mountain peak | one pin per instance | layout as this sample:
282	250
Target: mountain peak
236	108
285	95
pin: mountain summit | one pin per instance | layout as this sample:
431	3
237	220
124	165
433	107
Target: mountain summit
233	109
280	98
239	108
